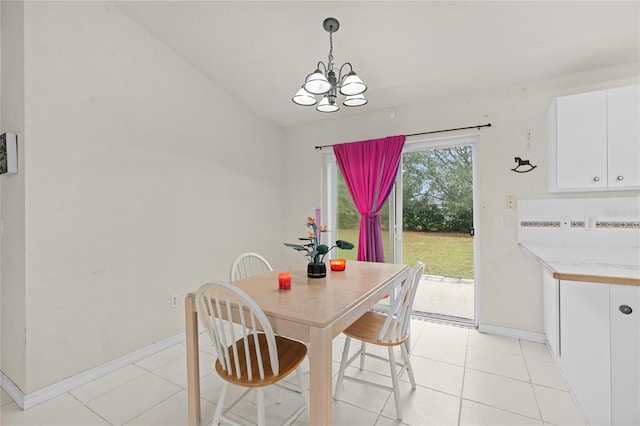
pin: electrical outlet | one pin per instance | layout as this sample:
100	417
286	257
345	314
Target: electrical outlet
498	221
510	201
565	222
589	223
175	301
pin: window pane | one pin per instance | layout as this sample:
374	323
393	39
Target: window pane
438	210
348	225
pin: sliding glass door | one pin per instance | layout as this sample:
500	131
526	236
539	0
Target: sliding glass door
429	217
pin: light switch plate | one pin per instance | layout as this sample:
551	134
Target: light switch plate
510	201
565	222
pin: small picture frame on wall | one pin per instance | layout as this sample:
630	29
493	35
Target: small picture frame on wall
8	153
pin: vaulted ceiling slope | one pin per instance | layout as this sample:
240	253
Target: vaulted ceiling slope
259	52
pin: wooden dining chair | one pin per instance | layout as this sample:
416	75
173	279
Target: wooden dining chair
246	357
248	264
390	330
245	266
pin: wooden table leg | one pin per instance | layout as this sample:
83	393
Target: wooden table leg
193	360
320	377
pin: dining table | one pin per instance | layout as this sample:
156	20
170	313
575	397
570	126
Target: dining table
314	310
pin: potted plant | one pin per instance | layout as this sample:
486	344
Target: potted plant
316	251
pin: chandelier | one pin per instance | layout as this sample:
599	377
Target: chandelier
324	82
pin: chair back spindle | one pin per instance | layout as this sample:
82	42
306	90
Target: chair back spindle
396	326
218	304
247	265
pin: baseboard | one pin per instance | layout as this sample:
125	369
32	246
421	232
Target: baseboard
512	332
13	390
26	401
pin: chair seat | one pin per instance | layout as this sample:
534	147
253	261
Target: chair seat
367	329
290	354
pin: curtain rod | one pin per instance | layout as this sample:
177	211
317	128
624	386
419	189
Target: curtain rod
430	132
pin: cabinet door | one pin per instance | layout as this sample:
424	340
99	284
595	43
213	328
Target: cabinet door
585	360
623	128
551	311
582	141
625	355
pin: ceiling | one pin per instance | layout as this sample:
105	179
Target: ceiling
405	51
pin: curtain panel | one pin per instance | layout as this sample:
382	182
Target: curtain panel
369	170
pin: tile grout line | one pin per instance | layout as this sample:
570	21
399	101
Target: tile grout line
152	407
535	395
464	375
89	408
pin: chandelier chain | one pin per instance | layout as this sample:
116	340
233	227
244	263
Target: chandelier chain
330	64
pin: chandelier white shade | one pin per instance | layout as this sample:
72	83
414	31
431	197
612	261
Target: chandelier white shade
354	101
317	83
324	82
352	85
304	98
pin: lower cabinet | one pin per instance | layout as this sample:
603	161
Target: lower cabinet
585	358
599	348
625	354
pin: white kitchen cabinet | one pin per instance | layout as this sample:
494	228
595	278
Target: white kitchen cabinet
623	137
585	358
551	313
594	141
600	349
625	355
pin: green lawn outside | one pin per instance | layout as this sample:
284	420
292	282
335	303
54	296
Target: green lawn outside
444	253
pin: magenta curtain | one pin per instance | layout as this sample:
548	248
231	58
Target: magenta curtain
369	169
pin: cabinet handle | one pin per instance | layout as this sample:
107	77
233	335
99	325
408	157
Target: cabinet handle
620	177
625	309
596	179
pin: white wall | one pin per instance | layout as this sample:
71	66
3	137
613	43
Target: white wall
12	297
139	179
510	280
142	180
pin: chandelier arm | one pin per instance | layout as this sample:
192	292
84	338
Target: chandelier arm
341	76
323	66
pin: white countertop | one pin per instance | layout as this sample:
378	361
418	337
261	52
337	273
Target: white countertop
616	265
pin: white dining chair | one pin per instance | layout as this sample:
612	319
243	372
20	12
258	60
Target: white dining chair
390	330
247	265
246	357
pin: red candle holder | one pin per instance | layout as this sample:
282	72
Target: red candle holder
284	281
338	264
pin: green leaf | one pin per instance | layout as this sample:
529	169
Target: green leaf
322	249
344	245
296	246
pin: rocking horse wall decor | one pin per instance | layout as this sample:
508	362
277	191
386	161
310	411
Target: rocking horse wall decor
525	164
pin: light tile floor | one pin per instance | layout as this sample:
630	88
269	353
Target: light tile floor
463	377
